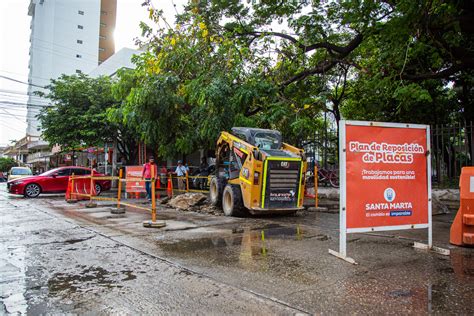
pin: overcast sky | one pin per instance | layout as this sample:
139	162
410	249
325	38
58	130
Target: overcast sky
14	47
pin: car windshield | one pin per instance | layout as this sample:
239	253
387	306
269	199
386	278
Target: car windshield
267	141
21	172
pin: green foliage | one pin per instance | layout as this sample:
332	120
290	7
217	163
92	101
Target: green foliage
78	117
226	64
7	163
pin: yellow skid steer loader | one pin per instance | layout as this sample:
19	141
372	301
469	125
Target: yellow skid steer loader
257	172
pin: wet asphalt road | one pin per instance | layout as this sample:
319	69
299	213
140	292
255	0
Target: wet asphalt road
63	258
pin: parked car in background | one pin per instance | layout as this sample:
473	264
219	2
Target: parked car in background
19	172
3	177
53	181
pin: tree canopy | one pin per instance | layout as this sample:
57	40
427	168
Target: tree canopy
78	117
7	163
283	65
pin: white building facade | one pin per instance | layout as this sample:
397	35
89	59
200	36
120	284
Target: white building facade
67	37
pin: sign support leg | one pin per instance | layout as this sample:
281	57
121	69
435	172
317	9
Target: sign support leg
342	254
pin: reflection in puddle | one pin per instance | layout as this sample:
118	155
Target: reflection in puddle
253	249
462	263
252	241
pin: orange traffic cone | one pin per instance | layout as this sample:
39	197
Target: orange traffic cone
169	190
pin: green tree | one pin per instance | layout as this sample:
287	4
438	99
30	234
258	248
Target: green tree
7	163
78	116
282	64
401	53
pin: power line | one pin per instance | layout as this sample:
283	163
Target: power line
17	130
19	81
21	74
20	95
62	54
18	110
15	116
7	98
50	51
18	92
25	104
55	44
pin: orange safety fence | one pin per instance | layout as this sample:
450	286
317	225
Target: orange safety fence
79	188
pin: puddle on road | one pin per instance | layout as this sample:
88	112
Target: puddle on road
256	238
462	263
250	248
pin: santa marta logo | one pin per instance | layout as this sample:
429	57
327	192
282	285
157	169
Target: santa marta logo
389	194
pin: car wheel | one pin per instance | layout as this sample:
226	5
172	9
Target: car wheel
98	189
32	190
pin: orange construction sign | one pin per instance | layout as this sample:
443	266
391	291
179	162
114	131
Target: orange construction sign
134	172
385	179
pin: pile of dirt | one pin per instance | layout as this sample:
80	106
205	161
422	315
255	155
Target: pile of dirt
192	202
187	200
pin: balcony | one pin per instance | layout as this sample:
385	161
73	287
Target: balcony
38	144
40	156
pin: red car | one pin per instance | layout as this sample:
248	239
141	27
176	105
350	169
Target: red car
53	181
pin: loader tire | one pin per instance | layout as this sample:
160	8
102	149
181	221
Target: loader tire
232	201
215	191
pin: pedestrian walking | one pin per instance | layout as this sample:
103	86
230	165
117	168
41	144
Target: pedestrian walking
181	172
147	175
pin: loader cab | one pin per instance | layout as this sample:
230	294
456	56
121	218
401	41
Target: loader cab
230	162
264	139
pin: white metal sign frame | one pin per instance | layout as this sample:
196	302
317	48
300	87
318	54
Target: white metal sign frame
343	231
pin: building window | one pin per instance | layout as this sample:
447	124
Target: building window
101	49
102	37
78	71
79	41
103	24
78	56
80	12
80	27
103	12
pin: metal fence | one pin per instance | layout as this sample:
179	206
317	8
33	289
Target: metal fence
452	147
322	149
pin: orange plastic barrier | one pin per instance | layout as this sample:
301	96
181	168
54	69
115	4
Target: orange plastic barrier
134	187
462	229
79	188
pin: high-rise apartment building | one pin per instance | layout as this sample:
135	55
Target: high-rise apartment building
67	37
